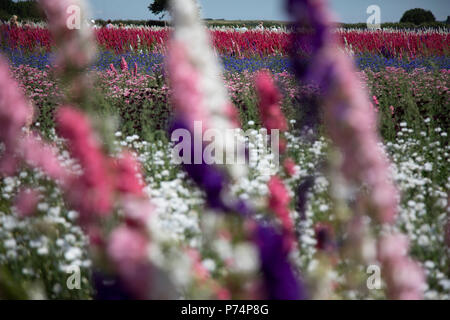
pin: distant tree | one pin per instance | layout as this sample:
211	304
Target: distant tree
448	20
25	10
417	16
159	7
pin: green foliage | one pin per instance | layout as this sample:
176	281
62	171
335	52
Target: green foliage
417	16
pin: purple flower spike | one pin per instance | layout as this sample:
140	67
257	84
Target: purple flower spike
108	287
280	280
208	177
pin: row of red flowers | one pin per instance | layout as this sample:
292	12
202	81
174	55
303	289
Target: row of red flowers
249	43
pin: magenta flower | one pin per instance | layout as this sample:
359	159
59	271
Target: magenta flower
123	65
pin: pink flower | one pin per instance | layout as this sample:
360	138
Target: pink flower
75	44
405	278
199	269
187	95
26	202
75	48
392	109
38	154
223	294
137	211
279	201
233	114
128	250
391	247
113	69
289	166
269	104
15	113
92	192
123	65
375	100
127	170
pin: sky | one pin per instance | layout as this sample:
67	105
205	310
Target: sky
349	11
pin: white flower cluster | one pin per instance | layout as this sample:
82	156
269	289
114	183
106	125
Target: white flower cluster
47	246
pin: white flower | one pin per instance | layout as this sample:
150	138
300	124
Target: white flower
42	251
73	253
245	258
10	244
209	264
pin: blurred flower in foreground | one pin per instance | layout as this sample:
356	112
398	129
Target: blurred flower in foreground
26	202
199	96
351	124
15	111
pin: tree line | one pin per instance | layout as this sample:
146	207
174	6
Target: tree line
25	10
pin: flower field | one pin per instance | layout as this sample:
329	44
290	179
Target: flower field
241	44
89	184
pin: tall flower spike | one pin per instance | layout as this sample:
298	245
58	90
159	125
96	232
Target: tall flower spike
187	94
191	105
405	277
279	201
73	36
193	35
281	283
348	116
92	191
15	112
74	40
269	105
